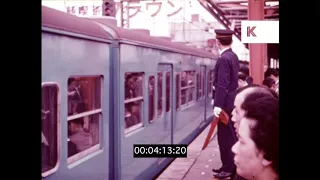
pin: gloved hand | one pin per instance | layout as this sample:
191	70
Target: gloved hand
217	111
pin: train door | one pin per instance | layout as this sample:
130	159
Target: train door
167	96
202	87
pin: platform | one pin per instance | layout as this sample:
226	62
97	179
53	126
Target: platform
199	164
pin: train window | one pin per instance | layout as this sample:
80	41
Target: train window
49	130
168	91
187	86
151	91
202	74
177	91
210	82
133	101
184	82
198	86
84	116
159	102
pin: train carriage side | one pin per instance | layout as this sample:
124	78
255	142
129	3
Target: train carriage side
152	76
75	92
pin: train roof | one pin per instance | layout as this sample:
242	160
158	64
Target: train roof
63	21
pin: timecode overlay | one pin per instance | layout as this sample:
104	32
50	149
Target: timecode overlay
160	150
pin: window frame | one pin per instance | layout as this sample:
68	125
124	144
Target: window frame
84	154
178	91
210	82
56	167
154	100
187	88
202	79
157	100
140	99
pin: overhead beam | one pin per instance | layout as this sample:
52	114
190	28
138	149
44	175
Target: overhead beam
246	16
245	8
216	12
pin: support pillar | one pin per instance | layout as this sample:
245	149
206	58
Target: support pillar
257	51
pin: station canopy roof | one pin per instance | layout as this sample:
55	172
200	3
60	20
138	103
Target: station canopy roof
230	12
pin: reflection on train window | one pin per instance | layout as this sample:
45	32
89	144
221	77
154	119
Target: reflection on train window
167	91
133	101
49	130
159	102
210	83
151	91
177	91
187	86
84	116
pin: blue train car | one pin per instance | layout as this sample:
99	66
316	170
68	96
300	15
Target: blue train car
106	88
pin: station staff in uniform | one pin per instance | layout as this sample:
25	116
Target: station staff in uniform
226	84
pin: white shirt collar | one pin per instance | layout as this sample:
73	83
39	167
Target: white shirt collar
223	50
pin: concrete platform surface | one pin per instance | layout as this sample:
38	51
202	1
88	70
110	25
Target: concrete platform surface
199	164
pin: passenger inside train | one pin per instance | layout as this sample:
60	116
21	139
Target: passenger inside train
79	138
133	97
49	122
83	130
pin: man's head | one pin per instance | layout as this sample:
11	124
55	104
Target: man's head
76	125
242	80
256	152
224	38
272	73
249	80
238	112
270	83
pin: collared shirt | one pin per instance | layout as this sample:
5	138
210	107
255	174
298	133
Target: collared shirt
223	50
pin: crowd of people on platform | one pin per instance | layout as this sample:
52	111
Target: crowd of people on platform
248	143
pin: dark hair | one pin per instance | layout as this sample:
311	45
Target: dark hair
245	70
242	76
225	41
263	108
249	80
70	80
78	121
269	82
259	88
270	72
239	90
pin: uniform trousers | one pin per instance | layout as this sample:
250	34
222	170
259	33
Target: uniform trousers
226	139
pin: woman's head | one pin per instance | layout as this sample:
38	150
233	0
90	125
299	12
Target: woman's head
256	152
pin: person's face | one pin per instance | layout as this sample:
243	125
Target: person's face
135	109
218	45
72	86
273	87
238	113
72	127
248	159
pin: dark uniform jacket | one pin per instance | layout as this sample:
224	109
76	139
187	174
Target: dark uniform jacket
226	80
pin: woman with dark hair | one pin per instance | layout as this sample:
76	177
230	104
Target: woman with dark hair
256	152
